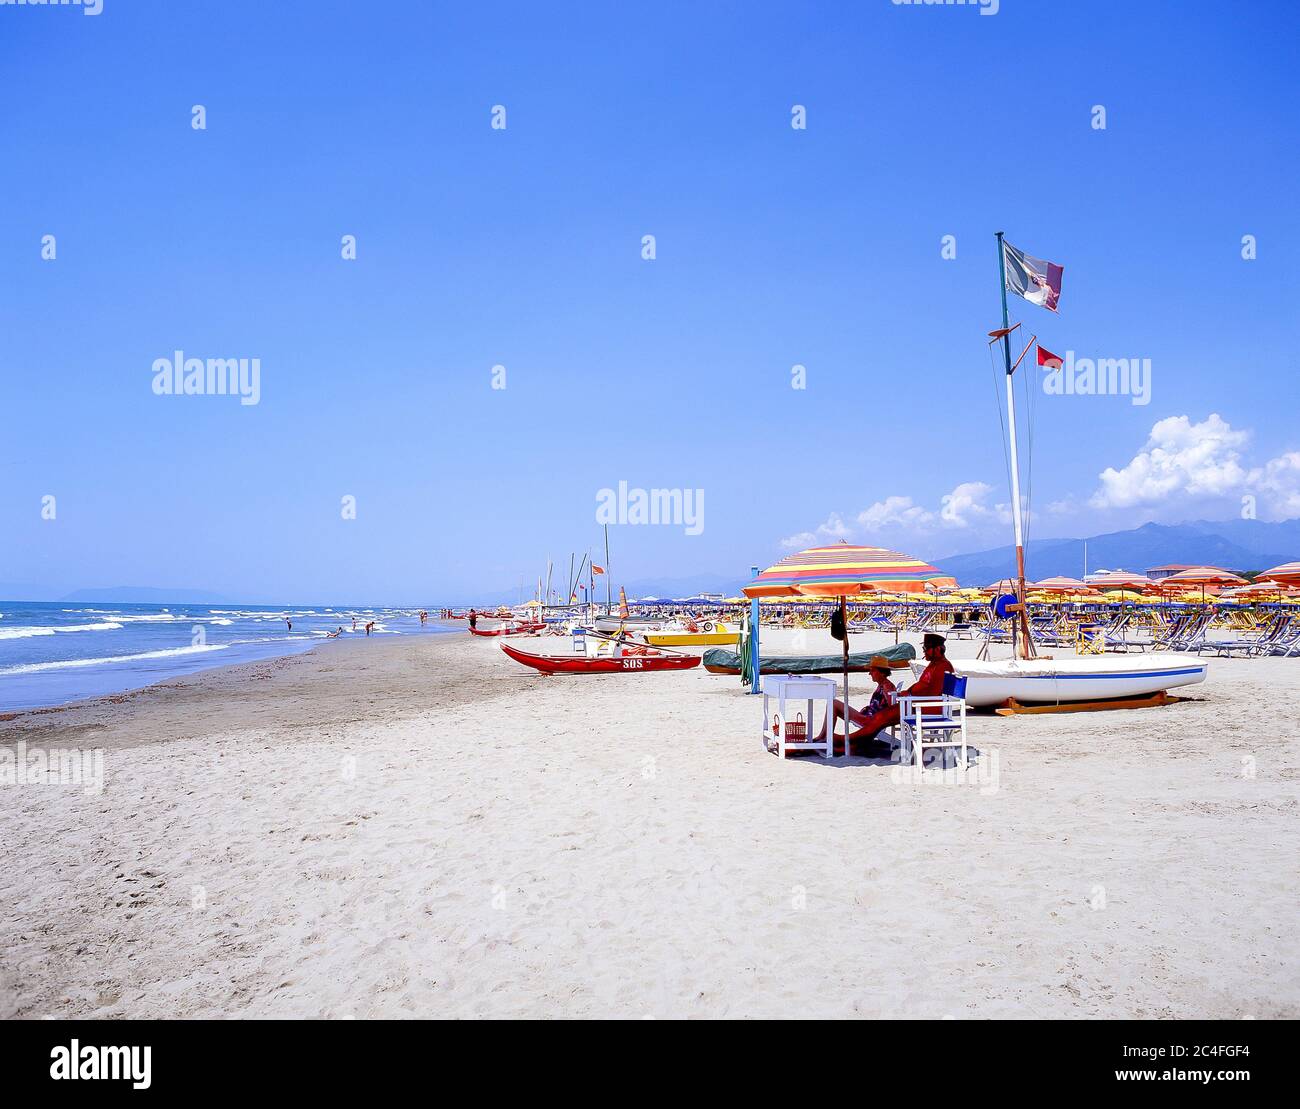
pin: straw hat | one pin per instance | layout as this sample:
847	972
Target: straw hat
879	662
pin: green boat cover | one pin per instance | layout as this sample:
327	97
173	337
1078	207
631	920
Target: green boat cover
728	662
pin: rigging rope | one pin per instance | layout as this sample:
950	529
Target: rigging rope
997	404
1029	458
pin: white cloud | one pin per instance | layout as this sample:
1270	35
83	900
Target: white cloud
1183	467
900	519
894	511
833	529
1278	481
1183	461
1179	458
965	504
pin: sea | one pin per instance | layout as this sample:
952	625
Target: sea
55	652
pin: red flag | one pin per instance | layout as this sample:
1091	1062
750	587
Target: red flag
597	569
1048	359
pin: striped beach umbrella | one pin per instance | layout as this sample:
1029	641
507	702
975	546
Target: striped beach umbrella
843	570
1119	579
1202	576
1260	590
1065	587
1288	573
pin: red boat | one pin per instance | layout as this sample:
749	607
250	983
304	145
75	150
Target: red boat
580	664
511	629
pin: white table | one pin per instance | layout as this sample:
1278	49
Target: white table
798	687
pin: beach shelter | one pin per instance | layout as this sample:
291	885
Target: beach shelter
842	571
1202	576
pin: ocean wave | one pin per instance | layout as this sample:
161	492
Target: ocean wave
36	667
27	633
24	633
157	618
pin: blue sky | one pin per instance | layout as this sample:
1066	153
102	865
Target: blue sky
522	247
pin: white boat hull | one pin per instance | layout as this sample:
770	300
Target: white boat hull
1069	680
611	624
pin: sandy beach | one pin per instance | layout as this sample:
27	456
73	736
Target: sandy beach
423	828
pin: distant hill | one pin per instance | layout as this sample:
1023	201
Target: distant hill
142	595
1233	544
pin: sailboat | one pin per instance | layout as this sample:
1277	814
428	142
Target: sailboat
1095	681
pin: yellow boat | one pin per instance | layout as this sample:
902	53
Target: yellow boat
719	636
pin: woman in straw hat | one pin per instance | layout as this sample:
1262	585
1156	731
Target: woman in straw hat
881	700
930	684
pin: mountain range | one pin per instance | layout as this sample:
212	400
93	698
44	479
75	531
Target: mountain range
1240	545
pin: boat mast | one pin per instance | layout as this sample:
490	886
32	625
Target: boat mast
609	596
1023	644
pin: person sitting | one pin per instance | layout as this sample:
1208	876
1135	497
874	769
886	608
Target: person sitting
929	684
885	695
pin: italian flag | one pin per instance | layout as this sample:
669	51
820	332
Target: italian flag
1037	281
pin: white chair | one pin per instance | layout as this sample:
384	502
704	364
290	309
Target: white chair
948	724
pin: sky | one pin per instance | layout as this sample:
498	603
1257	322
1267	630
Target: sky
438	416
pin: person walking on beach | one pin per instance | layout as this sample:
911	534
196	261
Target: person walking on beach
473	619
368	627
354	623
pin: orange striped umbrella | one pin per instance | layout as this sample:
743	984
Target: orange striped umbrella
1202	576
842	570
1069	587
1288	573
1119	579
